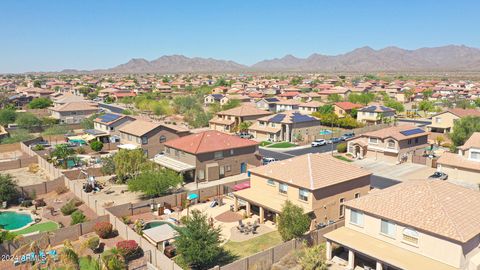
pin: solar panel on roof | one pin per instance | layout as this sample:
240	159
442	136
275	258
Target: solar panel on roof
277	118
109	117
298	118
412	131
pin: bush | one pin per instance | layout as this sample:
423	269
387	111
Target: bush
103	229
96	146
81	150
93	242
68	208
78	217
61	189
38	147
127	248
26	203
342	148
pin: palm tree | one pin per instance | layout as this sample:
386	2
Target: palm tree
35	247
69	257
243	126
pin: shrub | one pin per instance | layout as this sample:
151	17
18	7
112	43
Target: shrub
81	150
68	208
93	242
38	147
342	148
103	229
61	189
26	203
78	217
96	146
127	248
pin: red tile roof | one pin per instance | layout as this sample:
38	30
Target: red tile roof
348	105
209	141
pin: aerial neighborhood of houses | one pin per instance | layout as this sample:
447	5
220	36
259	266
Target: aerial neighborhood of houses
154	171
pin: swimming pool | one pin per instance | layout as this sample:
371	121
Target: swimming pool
13	220
325	132
156	223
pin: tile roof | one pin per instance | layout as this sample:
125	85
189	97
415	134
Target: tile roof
289	117
75	106
464	112
311	171
472	142
209	141
376	108
395	132
457	161
139	127
434	206
348	105
311	104
244	110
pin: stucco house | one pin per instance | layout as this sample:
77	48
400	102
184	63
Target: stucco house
73	112
415	225
375	114
391	144
286	126
318	183
464	165
209	155
342	109
227	121
443	122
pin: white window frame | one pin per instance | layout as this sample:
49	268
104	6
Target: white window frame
218	155
387	228
372	140
303	194
282	188
270	182
410	236
358	221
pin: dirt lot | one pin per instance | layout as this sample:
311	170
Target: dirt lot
24	177
11	155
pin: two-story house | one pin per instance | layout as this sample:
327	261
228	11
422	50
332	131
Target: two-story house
209	155
415	225
287	105
73	112
342	109
215	98
391	144
286	126
149	136
443	122
227	121
465	165
309	107
318	183
375	114
110	123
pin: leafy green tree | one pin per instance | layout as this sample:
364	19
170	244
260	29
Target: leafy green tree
87	123
62	152
18	135
7	116
28	121
8	188
55	130
78	217
199	244
408	94
426	106
334	98
156	182
465	104
128	163
243	126
325	109
464	128
233	103
37	84
477	102
108	165
40	103
296	80
363	98
6	236
398	106
96	146
313	258
292	222
427	93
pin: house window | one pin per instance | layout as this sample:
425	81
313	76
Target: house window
270	182
129	137
387	228
144	140
201	174
167	149
177	153
342	207
303	194
475	155
228	168
438	120
218	154
357	195
372	140
391	144
416	140
282	188
138	140
356	217
409	141
410	235
163	139
231	152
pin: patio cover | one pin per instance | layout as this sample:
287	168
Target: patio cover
383	251
273	203
84	137
241	186
173	164
127	146
159	234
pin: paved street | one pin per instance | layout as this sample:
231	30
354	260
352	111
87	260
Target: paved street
298	152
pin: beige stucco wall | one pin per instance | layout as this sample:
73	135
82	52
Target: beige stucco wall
431	246
446	120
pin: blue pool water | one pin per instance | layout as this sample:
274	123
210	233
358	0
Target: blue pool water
325	132
13	220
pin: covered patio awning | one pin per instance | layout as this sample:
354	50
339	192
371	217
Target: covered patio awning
127	146
160	233
383	251
173	164
272	203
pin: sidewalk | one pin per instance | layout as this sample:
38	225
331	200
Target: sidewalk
234	178
285	149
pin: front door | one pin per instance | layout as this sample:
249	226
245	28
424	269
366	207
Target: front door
243	167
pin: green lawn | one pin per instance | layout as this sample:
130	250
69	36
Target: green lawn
265	143
344	158
281	145
42	227
254	245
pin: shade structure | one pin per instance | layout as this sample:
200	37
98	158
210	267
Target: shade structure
192	196
241	186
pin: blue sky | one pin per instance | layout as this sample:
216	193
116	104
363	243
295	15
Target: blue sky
53	35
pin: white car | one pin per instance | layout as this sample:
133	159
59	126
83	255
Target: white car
319	142
267	160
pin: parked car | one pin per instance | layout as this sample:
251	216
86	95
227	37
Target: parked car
245	135
319	142
347	136
439	176
266	160
335	140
